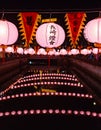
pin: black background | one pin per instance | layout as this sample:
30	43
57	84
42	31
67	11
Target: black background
50	4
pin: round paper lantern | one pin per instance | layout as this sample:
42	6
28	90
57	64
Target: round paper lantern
31	51
9	49
92	31
63	51
95	50
8	32
20	50
50	35
74	51
84	51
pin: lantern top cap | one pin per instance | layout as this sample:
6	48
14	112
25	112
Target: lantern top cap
96	18
3	20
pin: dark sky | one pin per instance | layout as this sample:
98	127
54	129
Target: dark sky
49	4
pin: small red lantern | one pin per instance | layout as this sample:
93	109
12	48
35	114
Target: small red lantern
50	35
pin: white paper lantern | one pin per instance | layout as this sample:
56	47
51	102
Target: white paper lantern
9	49
20	50
74	51
95	50
63	51
31	51
84	51
92	31
50	35
8	33
41	51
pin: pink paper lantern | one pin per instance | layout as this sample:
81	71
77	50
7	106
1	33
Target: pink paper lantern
8	32
50	35
84	51
92	31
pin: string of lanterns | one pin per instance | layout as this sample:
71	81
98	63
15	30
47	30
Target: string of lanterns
49	35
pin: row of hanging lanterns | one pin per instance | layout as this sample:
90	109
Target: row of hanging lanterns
42	51
49	35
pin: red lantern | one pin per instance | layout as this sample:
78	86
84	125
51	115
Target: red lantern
8	32
92	31
50	35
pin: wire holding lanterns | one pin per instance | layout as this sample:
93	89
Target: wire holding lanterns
8	34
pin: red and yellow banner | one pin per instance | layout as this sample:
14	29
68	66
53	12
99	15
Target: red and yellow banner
28	22
75	24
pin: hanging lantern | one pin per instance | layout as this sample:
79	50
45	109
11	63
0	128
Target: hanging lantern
31	51
9	49
20	50
74	51
84	51
50	35
92	31
8	33
63	51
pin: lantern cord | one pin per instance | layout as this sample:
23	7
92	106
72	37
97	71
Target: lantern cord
53	11
50	17
99	13
2	17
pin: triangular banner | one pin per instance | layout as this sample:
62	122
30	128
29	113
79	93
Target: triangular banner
28	22
75	24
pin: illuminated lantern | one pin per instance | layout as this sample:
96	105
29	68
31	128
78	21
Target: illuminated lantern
41	51
1	49
74	51
92	31
52	52
9	49
31	51
8	33
63	52
20	50
84	51
95	50
50	35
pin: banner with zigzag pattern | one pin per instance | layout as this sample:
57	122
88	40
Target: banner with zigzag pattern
28	22
75	24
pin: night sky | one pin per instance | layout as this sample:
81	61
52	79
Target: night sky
49	4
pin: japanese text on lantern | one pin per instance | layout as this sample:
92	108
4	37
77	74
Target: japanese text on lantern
52	34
